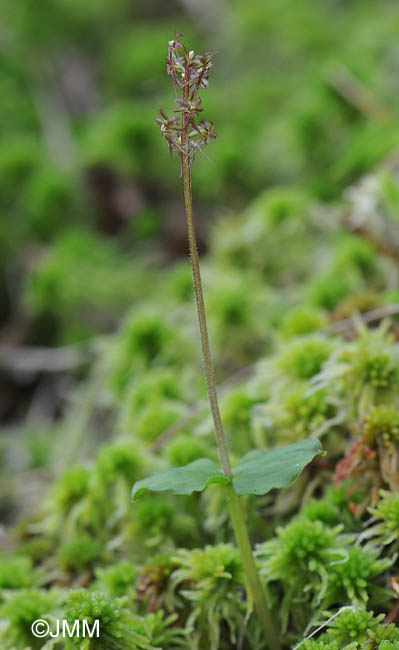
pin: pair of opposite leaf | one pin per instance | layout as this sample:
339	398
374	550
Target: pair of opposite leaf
257	472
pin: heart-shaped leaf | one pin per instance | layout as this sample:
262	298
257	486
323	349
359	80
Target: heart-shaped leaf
258	472
194	477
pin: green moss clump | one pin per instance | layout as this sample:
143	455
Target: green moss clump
322	510
365	372
356	253
117	580
386	530
56	294
119	629
302	321
146	339
80	554
154	523
301	548
381	422
16	572
330	289
372	363
156	417
353	578
185	448
378	371
181	284
358	303
153	518
165	631
304	358
120	460
160	383
322	644
70	488
21	610
305	413
272	222
51	196
212	578
322	563
356	629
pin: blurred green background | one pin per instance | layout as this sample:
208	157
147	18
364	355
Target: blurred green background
297	209
303	94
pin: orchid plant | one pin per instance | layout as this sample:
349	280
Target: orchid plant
258	471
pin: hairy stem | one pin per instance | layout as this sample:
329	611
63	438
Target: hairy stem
206	349
235	509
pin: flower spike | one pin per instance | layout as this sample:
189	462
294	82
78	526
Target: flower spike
190	73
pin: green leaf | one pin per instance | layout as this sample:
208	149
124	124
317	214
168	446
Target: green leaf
258	472
194	477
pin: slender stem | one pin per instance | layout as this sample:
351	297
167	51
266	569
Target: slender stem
206	349
254	584
235	509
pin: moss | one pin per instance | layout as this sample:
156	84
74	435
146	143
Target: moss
331	509
54	289
119	629
51	196
355	253
386	513
372	363
153	582
304	358
302	321
330	289
321	510
153	518
381	422
160	383
80	554
299	549
322	563
20	611
365	372
70	488
146	339
181	283
37	547
124	460
16	572
356	629
117	580
184	449
306	413
165	631
358	303
353	578
276	272
205	577
156	417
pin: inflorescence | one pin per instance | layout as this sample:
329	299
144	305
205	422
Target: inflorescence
189	72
